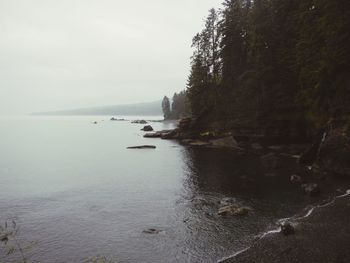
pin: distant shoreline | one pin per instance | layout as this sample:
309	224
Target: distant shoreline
137	109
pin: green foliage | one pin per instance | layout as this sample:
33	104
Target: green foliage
270	61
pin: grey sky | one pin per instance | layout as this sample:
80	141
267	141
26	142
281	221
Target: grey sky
80	53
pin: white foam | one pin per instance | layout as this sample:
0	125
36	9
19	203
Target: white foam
274	231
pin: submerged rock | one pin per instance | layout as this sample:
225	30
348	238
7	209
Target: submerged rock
143	147
147	128
311	189
287	228
296	179
152	231
233	210
228	201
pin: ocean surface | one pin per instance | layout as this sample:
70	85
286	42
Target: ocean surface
74	189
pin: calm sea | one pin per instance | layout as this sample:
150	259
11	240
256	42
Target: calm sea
74	188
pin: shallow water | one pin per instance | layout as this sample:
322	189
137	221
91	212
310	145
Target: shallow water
74	187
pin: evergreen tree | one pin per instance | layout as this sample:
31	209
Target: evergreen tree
166	107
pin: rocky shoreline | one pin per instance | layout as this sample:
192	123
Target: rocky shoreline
322	234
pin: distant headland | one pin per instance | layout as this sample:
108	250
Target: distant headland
143	109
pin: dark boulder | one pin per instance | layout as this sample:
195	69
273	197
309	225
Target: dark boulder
147	128
152	231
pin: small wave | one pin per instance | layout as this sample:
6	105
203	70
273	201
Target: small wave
308	213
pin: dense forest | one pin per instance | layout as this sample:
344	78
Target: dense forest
179	107
277	67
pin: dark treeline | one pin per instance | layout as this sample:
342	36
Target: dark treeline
179	107
272	66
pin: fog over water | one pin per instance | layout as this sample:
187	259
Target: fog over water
58	55
74	188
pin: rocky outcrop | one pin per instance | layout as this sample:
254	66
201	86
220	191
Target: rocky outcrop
139	122
165	134
116	119
185	123
225	142
142	147
152	135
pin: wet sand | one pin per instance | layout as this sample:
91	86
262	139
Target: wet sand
323	236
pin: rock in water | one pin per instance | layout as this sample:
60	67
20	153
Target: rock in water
116	119
287	228
152	231
232	210
311	189
226	201
139	122
152	135
147	128
143	147
295	179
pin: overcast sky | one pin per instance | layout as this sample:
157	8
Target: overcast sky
80	53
